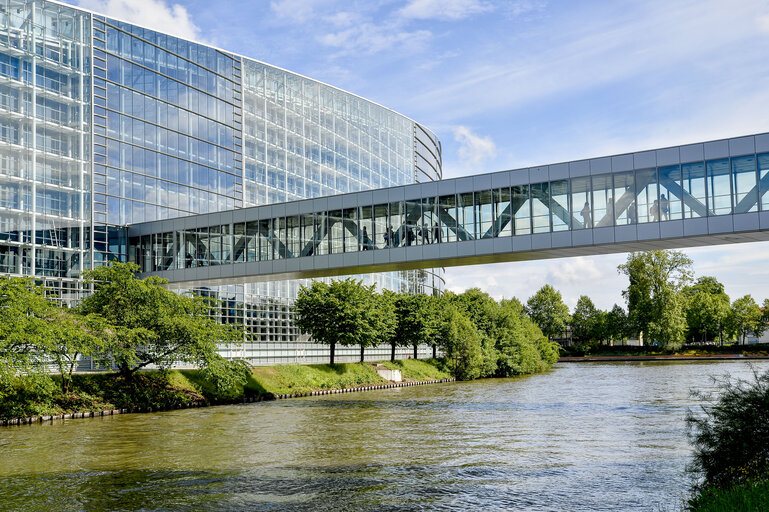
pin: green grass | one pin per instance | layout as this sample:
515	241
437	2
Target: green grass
752	496
297	378
418	369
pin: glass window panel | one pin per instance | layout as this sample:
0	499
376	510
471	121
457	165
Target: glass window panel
521	206
266	237
624	198
292	237
321	227
352	239
694	197
430	225
540	208
744	184
581	211
503	225
381	234
366	224
763	180
603	200
336	232
671	192
647	196
483	213
559	205
413	230
447	212
395	230
719	188
465	217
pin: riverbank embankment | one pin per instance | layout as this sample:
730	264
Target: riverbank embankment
671	357
108	394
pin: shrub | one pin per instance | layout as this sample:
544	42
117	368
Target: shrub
731	434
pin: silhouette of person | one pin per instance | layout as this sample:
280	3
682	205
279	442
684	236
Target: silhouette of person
436	234
654	211
586	219
366	240
665	207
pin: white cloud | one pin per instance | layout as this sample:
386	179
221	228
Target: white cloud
369	38
297	11
473	149
444	9
155	14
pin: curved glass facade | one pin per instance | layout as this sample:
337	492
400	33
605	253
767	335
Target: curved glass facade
105	124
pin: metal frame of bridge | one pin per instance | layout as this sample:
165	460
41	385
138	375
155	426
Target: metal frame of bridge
706	194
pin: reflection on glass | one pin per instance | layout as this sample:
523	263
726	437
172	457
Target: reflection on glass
521	209
719	188
465	217
603	201
647	196
448	215
744	184
624	198
483	215
581	210
763	180
540	212
559	205
503	225
693	180
671	192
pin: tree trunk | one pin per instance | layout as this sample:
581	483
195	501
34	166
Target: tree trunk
435	351
392	352
333	346
415	352
362	349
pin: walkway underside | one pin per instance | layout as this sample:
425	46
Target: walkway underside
701	194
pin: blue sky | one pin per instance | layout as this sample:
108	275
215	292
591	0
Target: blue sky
520	83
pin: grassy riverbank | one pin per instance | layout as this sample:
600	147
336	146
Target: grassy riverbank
686	351
751	496
182	388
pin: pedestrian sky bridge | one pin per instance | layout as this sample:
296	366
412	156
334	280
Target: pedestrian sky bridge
698	194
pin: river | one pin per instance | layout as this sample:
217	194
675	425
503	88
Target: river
587	436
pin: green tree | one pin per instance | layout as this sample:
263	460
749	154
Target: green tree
417	322
462	344
587	322
520	345
655	305
707	309
745	318
615	324
154	326
343	312
72	336
547	309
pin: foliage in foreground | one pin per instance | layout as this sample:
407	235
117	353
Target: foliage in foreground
730	436
750	496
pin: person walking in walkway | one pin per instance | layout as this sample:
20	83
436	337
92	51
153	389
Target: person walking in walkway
586	219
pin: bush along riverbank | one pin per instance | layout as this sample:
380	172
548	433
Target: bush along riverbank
100	394
730	434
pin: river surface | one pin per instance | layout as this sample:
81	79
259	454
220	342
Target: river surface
595	436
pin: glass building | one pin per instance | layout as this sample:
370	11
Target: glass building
104	124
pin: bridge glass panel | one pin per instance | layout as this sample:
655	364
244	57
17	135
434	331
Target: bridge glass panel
694	196
763	180
540	208
559	205
350	224
503	225
744	184
521	201
336	232
239	242
321	235
266	236
647	196
581	210
603	201
465	217
395	233
366	224
381	233
145	252
447	211
307	232
671	192
719	188
430	221
413	223
215	245
624	198
279	243
293	237
483	213
201	247
252	241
